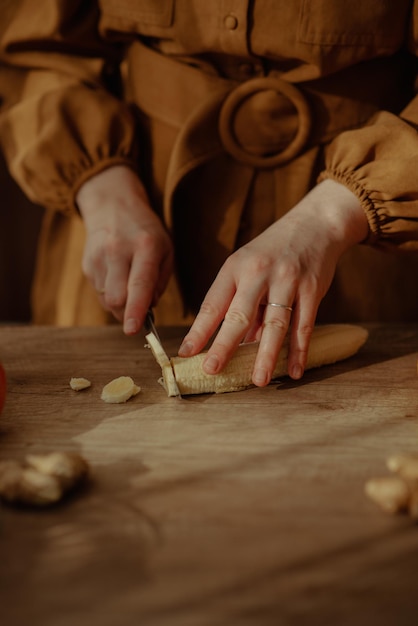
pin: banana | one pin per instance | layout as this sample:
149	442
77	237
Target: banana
329	343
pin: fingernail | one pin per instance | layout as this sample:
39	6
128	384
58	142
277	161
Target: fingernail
211	365
186	348
130	327
260	377
297	372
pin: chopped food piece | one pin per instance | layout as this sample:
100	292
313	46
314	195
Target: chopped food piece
397	493
390	493
119	390
79	383
68	467
41	480
406	466
168	379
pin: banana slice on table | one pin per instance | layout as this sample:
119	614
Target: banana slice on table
79	383
119	390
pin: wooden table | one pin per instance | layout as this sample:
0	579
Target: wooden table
243	508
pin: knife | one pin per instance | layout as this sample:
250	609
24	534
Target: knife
149	324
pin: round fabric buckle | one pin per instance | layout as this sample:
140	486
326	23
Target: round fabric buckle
236	98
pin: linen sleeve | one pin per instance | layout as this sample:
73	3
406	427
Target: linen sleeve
61	121
379	163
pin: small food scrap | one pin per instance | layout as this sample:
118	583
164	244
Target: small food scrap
406	466
79	383
397	493
42	480
119	390
390	493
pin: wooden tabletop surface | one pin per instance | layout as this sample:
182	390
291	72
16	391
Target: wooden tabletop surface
243	508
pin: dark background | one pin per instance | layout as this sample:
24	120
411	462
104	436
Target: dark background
19	229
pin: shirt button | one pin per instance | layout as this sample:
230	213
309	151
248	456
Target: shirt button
230	22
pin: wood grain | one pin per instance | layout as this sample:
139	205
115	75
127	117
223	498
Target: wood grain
243	508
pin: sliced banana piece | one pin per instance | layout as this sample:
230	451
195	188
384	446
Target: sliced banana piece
79	383
119	390
168	379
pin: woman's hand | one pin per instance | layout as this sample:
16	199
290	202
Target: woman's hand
292	264
128	253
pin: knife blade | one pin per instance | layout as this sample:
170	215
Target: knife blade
149	324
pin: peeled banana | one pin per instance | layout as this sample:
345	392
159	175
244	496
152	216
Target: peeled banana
329	343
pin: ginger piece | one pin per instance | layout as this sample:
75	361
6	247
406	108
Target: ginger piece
119	390
20	484
390	493
41	480
398	492
69	467
80	383
405	466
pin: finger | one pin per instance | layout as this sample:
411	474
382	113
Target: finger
275	326
117	312
166	269
254	332
237	321
301	332
96	276
116	284
94	265
113	293
141	287
210	315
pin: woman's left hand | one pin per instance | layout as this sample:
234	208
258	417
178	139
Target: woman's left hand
291	264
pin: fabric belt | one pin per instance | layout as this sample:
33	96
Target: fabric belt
263	122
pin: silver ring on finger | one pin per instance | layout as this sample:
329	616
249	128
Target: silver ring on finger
280	306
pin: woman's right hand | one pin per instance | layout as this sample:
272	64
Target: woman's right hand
128	254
